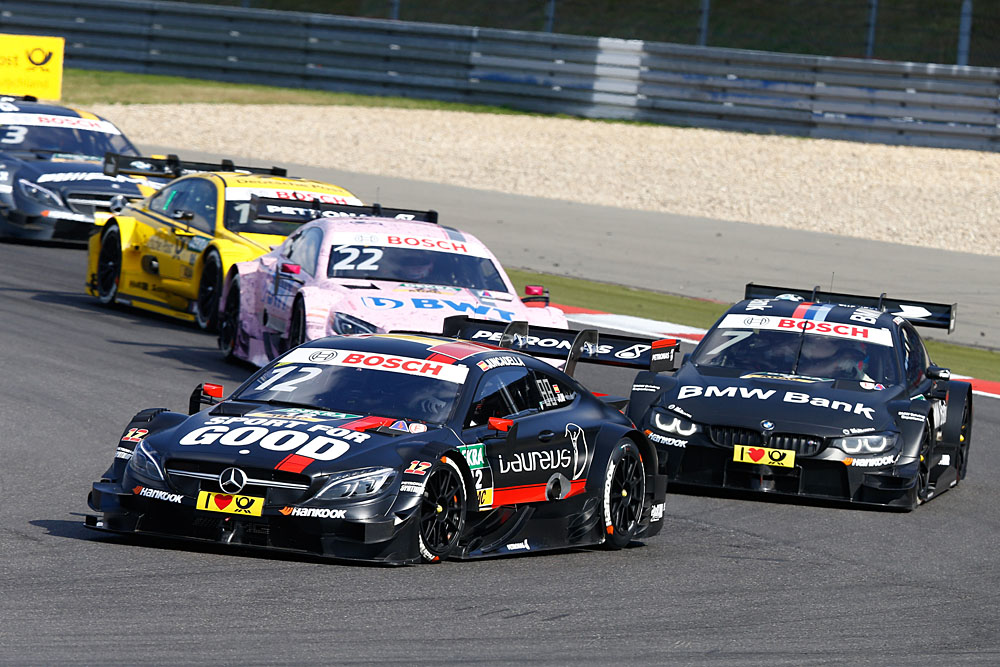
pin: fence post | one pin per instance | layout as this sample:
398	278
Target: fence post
706	8
550	15
964	29
872	18
394	10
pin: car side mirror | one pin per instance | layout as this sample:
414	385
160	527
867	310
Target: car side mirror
938	373
182	214
535	294
291	269
205	394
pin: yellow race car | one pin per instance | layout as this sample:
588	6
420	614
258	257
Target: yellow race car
168	253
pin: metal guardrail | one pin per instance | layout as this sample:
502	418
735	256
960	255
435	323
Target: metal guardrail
840	98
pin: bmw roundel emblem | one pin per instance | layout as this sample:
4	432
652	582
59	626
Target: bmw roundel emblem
767	425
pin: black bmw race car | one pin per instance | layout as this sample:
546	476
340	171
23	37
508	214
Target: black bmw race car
51	175
813	394
397	448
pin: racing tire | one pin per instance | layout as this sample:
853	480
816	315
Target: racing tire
624	495
922	487
229	322
443	506
961	435
109	265
207	312
297	325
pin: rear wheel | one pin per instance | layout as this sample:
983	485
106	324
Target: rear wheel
109	265
297	326
624	495
229	323
442	511
207	313
963	439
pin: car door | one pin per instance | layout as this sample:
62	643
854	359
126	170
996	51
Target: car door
181	218
297	264
539	455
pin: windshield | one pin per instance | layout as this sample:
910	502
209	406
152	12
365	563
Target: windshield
797	353
411	265
91	141
361	383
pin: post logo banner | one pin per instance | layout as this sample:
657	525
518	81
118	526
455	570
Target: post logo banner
31	65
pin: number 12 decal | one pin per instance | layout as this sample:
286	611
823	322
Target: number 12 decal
309	373
418	467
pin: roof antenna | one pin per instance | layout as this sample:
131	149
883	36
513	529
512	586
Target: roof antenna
832	274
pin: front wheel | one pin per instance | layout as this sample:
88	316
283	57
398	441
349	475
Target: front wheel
624	495
109	265
207	313
442	511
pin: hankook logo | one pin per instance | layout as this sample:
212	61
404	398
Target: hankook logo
323	355
232	480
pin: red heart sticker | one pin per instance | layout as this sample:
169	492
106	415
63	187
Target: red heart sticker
755	454
222	502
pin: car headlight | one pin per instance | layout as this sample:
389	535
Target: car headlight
39	194
348	324
869	443
144	462
673	424
357	483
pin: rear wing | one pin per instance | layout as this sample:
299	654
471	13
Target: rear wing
172	166
587	345
921	313
284	210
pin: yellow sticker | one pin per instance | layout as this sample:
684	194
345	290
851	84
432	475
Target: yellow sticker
485	497
230	504
784	458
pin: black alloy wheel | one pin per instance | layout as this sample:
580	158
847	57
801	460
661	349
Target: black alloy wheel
207	313
229	325
923	470
297	327
109	265
442	511
624	495
964	439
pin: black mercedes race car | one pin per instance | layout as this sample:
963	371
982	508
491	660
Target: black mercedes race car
51	175
397	448
814	394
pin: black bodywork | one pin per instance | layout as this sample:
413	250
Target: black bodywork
879	424
51	177
539	456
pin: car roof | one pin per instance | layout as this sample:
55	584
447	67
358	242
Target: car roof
416	345
422	229
49	109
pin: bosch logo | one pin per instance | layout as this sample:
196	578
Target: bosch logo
232	480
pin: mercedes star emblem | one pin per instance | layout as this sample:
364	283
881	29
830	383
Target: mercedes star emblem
232	480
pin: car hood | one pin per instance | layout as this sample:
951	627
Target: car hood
294	440
793	404
395	306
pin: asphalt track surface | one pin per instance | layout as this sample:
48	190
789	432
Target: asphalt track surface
729	581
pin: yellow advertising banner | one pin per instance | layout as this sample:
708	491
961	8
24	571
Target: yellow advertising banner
31	65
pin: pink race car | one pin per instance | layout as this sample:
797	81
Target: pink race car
364	269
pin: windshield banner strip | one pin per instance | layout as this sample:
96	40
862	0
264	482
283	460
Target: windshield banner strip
797	324
70	122
322	356
406	241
